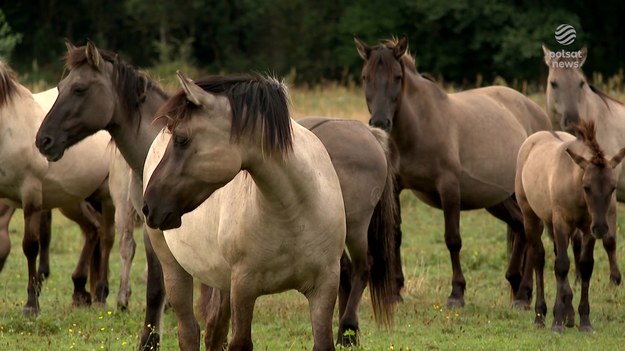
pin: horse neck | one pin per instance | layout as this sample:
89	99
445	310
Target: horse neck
419	98
284	184
609	117
133	136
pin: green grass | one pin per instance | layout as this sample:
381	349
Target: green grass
281	321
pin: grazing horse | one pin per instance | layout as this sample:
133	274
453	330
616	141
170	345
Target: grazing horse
566	184
262	203
456	151
30	182
123	101
570	99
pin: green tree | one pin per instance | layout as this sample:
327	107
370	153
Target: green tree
8	39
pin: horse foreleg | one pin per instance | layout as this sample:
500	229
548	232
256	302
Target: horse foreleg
586	265
450	202
321	302
45	234
179	287
30	246
564	296
6	212
217	318
609	244
87	219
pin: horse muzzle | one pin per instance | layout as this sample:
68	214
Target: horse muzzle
383	123
599	230
48	148
163	220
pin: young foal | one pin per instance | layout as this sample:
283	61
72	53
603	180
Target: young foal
566	184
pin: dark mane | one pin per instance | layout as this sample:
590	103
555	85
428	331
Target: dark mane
256	101
605	97
382	55
131	84
586	132
8	83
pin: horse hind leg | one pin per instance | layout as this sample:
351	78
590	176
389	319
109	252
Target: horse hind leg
6	212
125	223
106	234
88	220
351	287
509	212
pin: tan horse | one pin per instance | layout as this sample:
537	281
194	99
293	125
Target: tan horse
30	182
570	98
566	184
456	151
262	205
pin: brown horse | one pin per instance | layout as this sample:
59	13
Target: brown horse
566	184
571	99
456	151
123	101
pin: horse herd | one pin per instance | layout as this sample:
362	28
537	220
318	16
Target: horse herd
237	195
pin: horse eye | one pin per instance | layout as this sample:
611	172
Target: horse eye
554	84
80	90
181	141
581	84
587	188
398	79
364	78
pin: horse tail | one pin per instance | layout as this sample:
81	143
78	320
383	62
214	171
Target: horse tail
381	242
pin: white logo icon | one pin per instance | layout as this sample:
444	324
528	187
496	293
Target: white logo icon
565	34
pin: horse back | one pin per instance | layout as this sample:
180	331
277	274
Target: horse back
546	175
527	112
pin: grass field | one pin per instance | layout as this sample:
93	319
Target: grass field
281	321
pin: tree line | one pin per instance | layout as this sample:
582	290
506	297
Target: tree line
460	41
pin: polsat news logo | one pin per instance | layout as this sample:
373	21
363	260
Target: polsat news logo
565	34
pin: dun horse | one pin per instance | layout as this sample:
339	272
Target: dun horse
263	205
570	99
29	182
123	101
456	151
566	184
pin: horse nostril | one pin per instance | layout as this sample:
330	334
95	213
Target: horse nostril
145	209
45	142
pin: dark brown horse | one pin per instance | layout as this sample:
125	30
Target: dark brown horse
583	198
456	151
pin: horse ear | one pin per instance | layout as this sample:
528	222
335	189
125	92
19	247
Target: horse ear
582	162
616	159
402	46
583	55
93	55
195	94
363	49
68	44
547	56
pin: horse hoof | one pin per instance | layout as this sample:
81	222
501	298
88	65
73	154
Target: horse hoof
30	312
122	306
615	280
81	299
348	338
557	328
539	323
455	302
585	328
520	305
